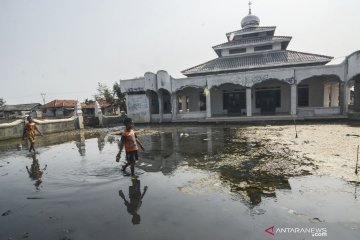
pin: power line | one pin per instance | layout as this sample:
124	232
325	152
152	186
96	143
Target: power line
43	97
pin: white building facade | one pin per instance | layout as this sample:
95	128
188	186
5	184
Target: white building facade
254	77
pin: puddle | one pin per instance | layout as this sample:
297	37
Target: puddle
195	182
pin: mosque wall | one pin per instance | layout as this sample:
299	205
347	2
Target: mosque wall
138	104
138	108
304	73
353	65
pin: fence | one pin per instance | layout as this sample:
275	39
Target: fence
15	129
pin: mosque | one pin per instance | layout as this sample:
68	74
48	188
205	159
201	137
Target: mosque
254	77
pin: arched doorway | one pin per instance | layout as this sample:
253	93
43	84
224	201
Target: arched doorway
191	103
271	97
166	101
153	101
319	95
228	100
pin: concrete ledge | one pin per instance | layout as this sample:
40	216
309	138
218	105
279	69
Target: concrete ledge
15	129
263	118
12	124
354	116
112	120
46	121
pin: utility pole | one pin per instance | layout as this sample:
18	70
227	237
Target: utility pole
43	97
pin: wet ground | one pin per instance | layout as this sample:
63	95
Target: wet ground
195	182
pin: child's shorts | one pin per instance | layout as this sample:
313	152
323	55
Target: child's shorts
132	156
31	137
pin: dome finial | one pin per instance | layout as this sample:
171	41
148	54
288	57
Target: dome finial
250	20
250	7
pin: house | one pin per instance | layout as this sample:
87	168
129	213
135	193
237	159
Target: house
20	110
88	109
59	108
254	76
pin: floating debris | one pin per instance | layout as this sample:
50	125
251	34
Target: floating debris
6	213
26	235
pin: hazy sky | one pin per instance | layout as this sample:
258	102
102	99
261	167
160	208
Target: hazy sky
65	47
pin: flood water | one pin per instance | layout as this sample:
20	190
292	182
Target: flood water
187	188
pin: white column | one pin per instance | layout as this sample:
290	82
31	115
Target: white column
79	116
208	104
161	106
335	94
293	100
327	90
346	97
343	97
148	96
248	102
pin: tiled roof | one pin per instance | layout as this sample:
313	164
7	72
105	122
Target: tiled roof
59	104
102	103
252	40
20	107
252	29
264	60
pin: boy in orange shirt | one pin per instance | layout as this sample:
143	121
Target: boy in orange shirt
29	131
131	142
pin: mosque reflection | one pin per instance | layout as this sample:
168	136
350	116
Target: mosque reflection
209	148
206	149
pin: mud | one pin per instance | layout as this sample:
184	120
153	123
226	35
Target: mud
328	149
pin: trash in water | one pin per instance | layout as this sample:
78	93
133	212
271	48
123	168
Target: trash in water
26	235
6	213
184	134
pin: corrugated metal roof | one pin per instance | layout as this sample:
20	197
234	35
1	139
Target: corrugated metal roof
252	29
252	40
263	60
20	107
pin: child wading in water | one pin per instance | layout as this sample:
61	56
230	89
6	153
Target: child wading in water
131	142
29	132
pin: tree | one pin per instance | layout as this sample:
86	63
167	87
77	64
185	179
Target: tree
2	102
113	96
120	97
104	93
88	101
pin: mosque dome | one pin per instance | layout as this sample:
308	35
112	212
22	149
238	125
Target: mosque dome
250	21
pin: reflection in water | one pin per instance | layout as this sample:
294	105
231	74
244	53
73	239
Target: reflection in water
135	200
101	141
224	150
35	173
80	144
53	139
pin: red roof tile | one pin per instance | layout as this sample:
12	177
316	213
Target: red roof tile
59	104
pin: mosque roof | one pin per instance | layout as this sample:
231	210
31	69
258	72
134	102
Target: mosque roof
252	40
251	29
272	59
253	48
